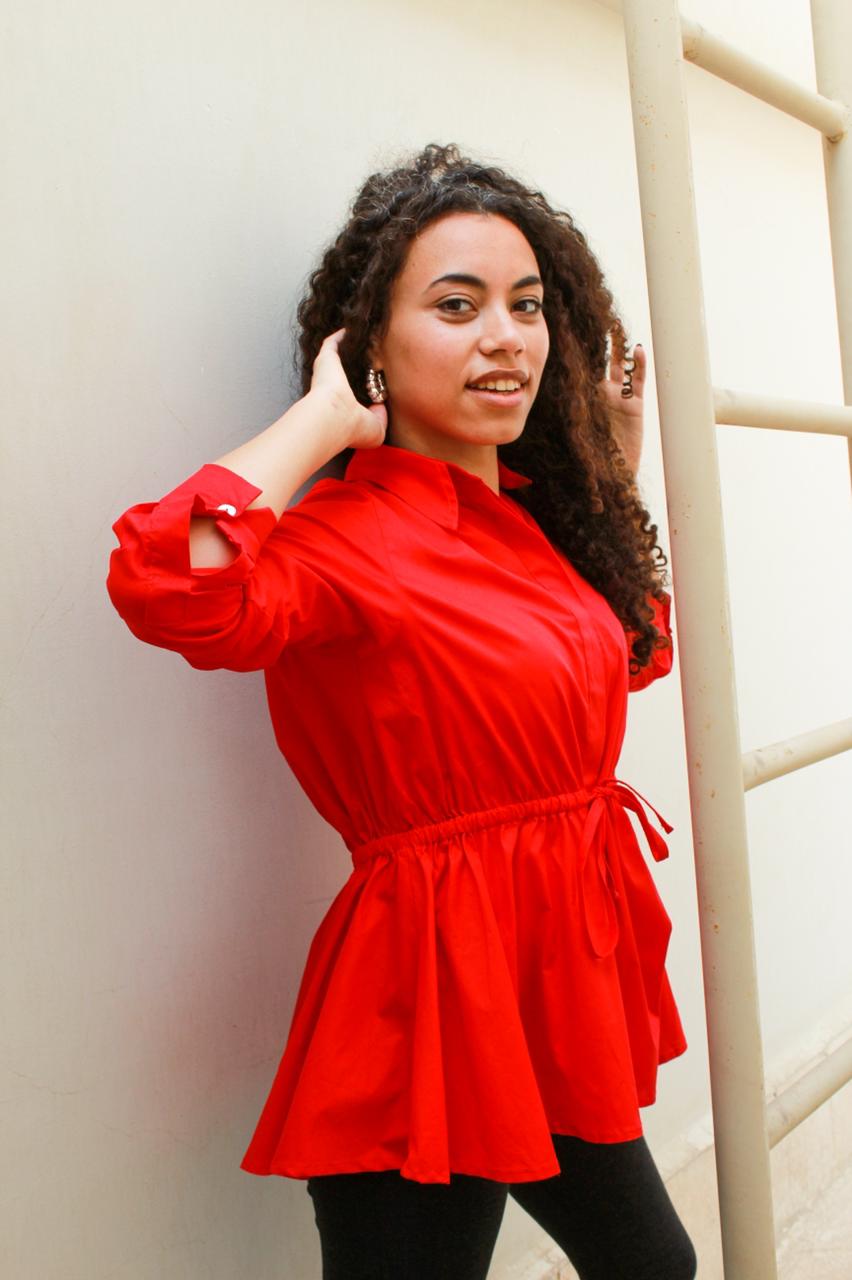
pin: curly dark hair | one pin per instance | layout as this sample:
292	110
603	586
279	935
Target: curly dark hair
583	496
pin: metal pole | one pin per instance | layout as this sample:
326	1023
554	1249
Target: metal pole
685	393
832	30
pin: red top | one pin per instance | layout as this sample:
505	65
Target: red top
451	695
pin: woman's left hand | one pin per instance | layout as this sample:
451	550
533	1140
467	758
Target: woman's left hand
626	412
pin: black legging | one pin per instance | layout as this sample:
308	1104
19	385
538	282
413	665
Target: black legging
607	1209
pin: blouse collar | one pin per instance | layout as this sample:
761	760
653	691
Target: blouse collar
429	484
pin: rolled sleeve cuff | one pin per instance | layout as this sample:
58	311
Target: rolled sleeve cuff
214	491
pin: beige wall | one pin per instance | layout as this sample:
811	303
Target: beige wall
172	171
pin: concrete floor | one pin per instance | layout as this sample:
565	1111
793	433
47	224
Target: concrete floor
817	1245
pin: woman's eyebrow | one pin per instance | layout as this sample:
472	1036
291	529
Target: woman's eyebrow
460	277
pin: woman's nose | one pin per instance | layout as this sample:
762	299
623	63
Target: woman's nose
502	332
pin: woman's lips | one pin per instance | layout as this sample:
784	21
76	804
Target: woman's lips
499	397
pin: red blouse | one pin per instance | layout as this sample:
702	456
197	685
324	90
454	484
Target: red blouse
451	695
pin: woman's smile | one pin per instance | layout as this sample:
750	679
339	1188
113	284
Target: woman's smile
499	396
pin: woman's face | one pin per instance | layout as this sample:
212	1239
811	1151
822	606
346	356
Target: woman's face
467	304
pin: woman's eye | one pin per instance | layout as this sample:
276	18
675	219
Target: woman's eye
448	303
537	305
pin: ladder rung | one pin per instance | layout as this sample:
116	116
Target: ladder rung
729	63
779	758
801	1098
742	409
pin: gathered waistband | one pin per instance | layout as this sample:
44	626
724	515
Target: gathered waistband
598	892
477	820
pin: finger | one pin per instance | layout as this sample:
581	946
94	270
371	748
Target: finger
331	342
621	374
641	366
631	371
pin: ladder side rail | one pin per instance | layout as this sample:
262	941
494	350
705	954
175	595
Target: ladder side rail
714	755
832	36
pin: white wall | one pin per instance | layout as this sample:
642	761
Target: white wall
172	172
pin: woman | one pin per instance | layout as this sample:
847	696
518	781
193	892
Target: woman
448	634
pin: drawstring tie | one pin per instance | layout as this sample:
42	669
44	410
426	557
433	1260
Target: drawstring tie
597	886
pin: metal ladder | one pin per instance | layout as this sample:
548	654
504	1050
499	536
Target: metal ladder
658	39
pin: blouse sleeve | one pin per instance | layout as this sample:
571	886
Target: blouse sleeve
661	659
283	588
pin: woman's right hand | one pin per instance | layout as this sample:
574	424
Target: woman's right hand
364	425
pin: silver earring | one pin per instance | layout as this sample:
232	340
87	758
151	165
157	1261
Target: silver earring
377	388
